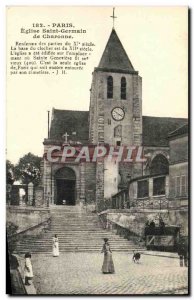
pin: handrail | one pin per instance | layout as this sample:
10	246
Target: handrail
30	228
120	192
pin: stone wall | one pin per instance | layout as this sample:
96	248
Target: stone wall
178	170
127	135
134	220
47	176
99	181
93	134
26	217
110	178
179	149
102	124
125	171
137	110
90	182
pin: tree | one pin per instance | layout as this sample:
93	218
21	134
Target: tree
28	169
9	180
9	172
12	238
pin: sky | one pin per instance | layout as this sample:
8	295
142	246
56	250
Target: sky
155	39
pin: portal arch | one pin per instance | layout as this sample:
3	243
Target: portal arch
65	186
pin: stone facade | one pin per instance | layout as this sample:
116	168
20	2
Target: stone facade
179	169
99	181
101	121
179	180
50	184
90	182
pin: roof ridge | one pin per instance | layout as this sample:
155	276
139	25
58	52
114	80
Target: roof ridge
176	130
166	117
114	56
56	109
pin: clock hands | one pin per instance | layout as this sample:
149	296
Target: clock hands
118	113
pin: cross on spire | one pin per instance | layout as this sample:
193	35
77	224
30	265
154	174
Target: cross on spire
113	17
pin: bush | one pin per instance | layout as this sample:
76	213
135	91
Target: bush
11	231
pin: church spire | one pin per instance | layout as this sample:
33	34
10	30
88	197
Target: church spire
114	57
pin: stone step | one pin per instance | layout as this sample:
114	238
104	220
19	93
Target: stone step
79	245
89	228
87	225
85	237
77	250
76	220
73	213
78	235
72	249
75	242
77	232
85	240
77	239
49	249
80	231
58	223
67	226
72	217
26	249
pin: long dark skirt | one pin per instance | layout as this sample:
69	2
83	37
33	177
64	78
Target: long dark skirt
108	265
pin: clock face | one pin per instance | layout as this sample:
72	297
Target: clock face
118	114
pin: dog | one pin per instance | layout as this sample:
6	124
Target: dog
136	257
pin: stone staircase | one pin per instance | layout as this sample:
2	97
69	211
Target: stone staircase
77	231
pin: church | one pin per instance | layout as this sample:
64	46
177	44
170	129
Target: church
114	118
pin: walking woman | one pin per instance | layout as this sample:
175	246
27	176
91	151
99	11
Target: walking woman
55	246
108	266
28	273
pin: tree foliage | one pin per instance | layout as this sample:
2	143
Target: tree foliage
28	169
12	237
9	172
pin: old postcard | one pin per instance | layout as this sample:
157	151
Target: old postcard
97	150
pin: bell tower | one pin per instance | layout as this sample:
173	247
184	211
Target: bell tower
116	98
115	115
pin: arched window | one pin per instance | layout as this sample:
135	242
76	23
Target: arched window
123	88
159	165
110	87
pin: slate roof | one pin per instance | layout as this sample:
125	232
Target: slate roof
180	131
155	129
114	56
70	121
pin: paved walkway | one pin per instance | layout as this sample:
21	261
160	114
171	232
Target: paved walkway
80	273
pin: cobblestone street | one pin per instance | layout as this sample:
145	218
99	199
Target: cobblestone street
80	273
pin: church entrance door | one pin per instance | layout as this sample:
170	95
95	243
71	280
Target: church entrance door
65	192
65	187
